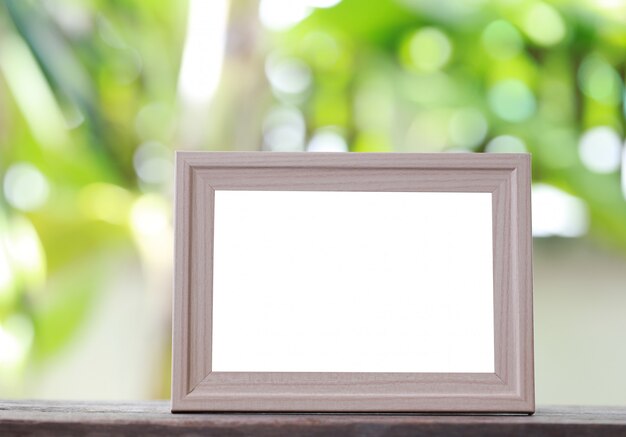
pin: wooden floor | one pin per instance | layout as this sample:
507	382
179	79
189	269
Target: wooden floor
44	418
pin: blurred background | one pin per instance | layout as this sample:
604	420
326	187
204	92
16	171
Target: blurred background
96	95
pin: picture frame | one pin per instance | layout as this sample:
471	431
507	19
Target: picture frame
508	388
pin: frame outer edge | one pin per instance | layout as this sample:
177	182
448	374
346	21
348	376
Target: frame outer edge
349	159
519	164
526	277
180	350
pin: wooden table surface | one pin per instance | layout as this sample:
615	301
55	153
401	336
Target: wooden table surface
154	418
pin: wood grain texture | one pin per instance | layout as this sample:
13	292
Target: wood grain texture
196	388
350	160
47	418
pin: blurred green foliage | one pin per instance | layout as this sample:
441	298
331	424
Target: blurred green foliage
83	86
425	75
90	113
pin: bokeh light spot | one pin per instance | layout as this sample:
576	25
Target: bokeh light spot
284	130
25	187
288	75
544	25
327	140
152	163
557	213
611	4
149	215
505	144
16	337
26	251
600	149
512	100
430	49
22	258
599	80
280	15
502	40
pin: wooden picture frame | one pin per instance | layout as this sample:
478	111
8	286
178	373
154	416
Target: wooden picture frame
195	387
